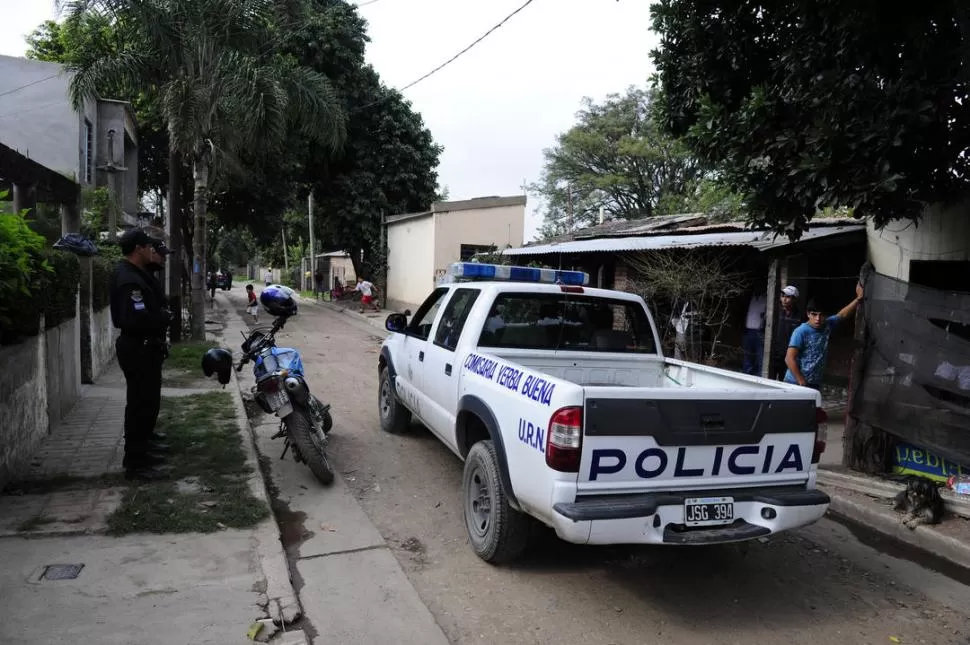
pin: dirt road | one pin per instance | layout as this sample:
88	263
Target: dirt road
816	586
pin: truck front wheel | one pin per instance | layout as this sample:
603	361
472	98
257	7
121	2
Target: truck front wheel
395	418
498	533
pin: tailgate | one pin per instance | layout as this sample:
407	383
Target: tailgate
717	440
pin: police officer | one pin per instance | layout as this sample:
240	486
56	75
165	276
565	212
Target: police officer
140	310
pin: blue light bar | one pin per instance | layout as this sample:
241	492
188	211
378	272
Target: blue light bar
496	272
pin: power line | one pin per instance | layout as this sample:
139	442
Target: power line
17	89
475	42
456	56
364	4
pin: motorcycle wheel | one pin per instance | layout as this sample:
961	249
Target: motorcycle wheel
301	433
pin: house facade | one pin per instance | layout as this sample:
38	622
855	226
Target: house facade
420	246
95	146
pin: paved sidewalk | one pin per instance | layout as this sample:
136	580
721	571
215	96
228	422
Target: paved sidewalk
144	589
352	588
867	501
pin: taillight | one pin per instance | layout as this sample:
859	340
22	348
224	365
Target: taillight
821	433
271	385
564	440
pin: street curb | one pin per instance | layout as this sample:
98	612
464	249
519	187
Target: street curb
283	604
923	538
956	504
377	323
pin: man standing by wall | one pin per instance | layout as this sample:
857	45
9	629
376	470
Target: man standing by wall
140	310
809	344
753	341
788	319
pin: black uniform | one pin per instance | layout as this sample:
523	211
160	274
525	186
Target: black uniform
140	310
785	324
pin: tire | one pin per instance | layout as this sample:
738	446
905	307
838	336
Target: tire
299	428
498	533
395	418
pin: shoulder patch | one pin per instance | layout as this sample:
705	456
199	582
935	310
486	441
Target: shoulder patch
136	295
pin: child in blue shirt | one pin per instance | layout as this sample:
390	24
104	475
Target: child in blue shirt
809	344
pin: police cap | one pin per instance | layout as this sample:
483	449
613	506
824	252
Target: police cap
133	238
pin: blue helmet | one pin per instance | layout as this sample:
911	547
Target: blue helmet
278	300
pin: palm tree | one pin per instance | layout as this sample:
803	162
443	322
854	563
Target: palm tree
222	85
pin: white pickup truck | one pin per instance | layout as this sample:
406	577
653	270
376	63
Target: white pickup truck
563	408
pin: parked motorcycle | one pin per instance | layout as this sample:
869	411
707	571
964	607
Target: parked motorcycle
281	386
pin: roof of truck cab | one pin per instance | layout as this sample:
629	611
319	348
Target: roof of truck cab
501	286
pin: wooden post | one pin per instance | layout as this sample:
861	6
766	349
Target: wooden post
313	250
772	296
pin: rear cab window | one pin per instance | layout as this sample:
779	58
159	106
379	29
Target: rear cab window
567	322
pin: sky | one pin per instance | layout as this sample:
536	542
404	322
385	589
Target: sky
495	108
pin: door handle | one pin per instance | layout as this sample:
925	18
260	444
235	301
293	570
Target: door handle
448	369
420	356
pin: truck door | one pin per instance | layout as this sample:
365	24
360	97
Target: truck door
410	375
441	367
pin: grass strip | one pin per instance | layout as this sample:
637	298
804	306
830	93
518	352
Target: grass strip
207	490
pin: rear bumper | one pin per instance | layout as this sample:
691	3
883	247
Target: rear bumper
658	518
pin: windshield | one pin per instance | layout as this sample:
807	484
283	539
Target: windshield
568	322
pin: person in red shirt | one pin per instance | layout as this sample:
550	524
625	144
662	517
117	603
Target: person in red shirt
252	306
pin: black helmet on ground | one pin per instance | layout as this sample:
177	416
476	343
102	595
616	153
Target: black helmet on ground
217	361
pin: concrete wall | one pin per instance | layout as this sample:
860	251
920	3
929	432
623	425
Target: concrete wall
942	234
63	358
103	336
23	406
478	223
410	261
37	119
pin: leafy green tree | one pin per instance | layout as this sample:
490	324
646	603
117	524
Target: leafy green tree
617	159
807	105
221	83
387	164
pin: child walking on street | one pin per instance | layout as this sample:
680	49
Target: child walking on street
252	306
366	290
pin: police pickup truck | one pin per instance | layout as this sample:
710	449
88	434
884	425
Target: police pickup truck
564	410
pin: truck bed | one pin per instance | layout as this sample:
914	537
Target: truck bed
641	371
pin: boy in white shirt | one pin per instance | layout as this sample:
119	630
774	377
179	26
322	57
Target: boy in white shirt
366	290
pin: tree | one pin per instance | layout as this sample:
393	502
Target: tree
614	158
222	86
388	161
804	106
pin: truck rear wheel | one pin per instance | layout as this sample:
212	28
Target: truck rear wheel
498	533
395	418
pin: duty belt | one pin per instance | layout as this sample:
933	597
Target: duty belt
144	340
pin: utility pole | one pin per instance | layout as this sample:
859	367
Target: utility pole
286	255
569	203
313	257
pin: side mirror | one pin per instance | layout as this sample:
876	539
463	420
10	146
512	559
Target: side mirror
396	323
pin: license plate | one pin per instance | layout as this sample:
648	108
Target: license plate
276	400
708	511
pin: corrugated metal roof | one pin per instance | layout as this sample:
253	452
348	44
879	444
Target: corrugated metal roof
759	240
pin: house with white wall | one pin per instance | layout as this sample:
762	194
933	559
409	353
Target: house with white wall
96	145
420	246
